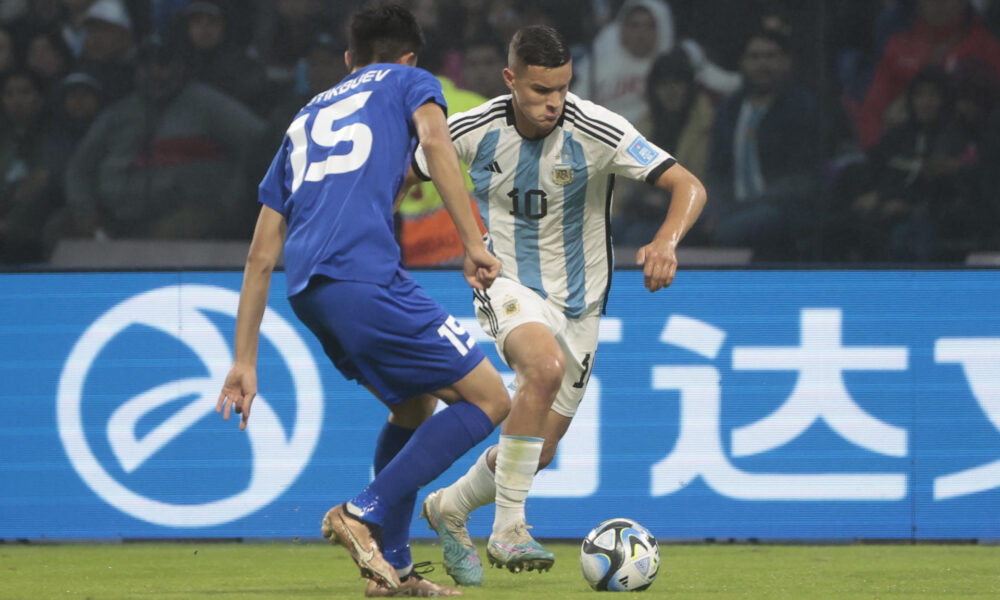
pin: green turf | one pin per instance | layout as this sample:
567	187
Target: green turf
288	570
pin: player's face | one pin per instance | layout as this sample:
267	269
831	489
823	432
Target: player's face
539	96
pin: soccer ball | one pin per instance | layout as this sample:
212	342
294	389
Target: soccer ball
619	555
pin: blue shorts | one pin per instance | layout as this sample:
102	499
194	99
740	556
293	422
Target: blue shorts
394	338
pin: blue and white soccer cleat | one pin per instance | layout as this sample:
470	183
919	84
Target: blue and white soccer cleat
461	559
515	549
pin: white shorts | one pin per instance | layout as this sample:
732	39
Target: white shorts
508	304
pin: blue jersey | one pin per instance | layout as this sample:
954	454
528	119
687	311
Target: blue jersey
337	173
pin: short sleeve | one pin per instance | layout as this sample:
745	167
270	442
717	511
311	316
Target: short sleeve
638	158
421	88
464	147
274	190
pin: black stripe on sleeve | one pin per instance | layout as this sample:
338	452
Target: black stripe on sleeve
593	133
467	126
660	168
469	118
478	124
594	120
580	121
416	167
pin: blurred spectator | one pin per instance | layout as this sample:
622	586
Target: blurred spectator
482	68
499	16
888	200
167	161
283	33
48	55
945	32
213	59
73	30
26	188
108	48
763	166
615	73
858	34
722	26
681	123
681	112
81	100
958	210
37	16
164	15
7	58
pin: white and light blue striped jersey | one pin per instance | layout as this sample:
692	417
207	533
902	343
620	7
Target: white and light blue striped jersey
547	202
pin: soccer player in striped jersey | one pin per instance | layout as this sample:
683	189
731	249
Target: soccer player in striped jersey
543	162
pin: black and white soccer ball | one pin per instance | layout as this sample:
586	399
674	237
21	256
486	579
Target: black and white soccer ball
619	555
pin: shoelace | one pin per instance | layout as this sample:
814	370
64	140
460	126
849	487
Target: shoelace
420	569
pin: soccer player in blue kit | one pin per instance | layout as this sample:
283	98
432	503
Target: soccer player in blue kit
327	201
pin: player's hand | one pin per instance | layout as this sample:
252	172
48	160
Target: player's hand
659	264
480	268
238	393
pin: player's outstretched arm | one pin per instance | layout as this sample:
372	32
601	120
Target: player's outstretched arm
687	198
241	384
442	163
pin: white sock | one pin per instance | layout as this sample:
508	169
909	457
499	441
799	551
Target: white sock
472	490
517	461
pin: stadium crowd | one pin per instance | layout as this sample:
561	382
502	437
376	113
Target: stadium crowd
824	130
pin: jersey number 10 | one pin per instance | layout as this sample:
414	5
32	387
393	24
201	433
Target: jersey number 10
323	134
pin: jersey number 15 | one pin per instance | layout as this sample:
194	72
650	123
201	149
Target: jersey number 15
323	133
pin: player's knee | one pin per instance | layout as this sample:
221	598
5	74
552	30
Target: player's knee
494	399
413	412
497	405
544	376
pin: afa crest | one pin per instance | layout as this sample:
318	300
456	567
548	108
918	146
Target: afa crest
510	306
562	174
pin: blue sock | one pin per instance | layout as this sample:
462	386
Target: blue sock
396	526
439	442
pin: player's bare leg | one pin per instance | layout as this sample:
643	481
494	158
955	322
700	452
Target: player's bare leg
447	510
540	365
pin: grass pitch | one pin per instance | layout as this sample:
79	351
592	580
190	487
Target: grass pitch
282	570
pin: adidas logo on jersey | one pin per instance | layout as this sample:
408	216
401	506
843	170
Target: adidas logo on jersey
494	167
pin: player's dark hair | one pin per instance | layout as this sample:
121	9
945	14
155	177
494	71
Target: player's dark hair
383	34
538	45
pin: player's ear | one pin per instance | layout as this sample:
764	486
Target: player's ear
409	59
508	78
347	59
